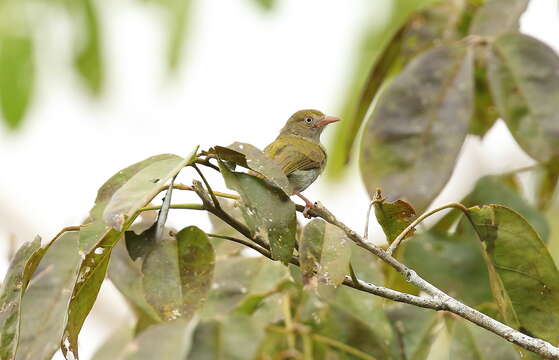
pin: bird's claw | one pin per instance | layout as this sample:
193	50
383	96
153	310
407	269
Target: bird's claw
308	206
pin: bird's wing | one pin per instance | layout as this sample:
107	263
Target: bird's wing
294	153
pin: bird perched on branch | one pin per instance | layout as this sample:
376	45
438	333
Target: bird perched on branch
298	151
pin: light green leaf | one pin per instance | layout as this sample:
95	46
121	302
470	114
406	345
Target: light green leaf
45	303
523	276
497	17
235	337
88	57
17	77
168	340
462	342
324	254
13	288
412	139
547	182
524	80
177	274
268	212
114	345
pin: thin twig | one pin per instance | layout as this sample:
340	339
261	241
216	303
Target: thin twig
217	205
418	220
256	247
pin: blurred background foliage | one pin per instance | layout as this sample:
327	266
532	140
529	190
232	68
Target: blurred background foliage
256	308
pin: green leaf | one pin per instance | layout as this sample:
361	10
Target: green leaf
452	262
524	279
45	303
17	77
378	56
168	340
497	17
394	217
178	12
250	157
127	277
524	80
485	114
269	213
177	274
88	57
118	199
547	182
462	344
13	287
412	139
324	254
234	337
266	5
494	190
141	188
416	330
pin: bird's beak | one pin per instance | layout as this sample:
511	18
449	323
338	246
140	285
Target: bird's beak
327	120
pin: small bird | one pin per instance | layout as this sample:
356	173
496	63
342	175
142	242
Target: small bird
298	150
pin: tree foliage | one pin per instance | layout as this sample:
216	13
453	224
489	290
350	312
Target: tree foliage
449	70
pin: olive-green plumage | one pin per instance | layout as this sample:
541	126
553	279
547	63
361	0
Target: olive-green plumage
298	151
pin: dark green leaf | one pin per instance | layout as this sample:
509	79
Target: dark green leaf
45	303
412	139
394	217
524	279
497	17
416	330
324	254
17	77
88	57
269	213
168	340
13	287
380	54
252	158
177	274
524	80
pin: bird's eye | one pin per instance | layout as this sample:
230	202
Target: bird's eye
308	120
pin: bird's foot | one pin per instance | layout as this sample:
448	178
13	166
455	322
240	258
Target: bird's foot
308	205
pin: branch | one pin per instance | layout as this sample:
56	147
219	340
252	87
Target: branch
438	300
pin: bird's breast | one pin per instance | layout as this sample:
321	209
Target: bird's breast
302	179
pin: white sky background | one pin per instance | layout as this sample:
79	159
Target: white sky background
244	73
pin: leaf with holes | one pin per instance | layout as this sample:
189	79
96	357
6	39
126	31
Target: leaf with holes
524	279
268	212
524	80
13	288
177	274
412	139
324	254
120	197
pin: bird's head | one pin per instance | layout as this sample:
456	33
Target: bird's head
307	124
